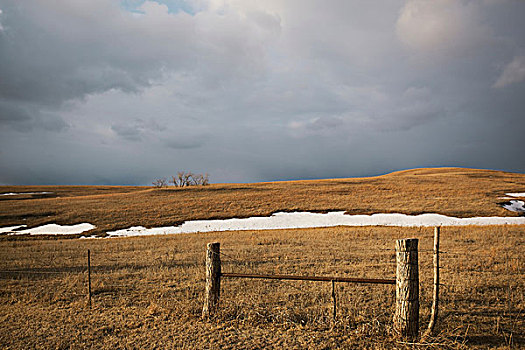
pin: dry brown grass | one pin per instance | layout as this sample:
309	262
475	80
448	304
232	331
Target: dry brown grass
448	191
148	290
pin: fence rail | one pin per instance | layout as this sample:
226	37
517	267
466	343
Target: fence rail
311	278
406	318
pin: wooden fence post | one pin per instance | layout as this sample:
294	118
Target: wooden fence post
435	296
334	313
406	318
89	277
213	279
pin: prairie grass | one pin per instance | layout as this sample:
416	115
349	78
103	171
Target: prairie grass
148	291
448	191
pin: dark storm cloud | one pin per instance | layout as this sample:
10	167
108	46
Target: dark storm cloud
47	56
26	118
12	113
54	52
107	92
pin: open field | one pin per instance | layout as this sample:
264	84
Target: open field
448	191
148	291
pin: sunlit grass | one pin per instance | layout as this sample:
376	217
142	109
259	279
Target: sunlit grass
447	191
148	291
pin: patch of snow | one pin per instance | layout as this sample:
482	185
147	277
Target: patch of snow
20	193
521	194
515	205
8	229
54	229
312	220
287	221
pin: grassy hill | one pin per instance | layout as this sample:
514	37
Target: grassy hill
448	191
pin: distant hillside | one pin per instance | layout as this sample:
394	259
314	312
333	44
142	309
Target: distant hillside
449	191
449	171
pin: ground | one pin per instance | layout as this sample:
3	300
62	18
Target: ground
148	291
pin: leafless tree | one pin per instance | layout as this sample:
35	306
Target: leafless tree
200	179
205	179
159	183
187	178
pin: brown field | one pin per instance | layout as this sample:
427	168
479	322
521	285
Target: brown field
148	291
448	191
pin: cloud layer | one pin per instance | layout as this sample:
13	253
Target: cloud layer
107	92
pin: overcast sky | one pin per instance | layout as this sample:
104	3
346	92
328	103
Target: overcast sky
123	92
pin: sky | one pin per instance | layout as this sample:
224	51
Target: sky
125	92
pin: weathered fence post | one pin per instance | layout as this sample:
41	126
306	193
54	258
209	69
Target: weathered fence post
213	279
435	296
89	277
334	313
406	318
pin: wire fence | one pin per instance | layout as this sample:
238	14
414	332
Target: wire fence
475	283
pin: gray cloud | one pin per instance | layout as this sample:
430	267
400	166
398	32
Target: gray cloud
129	132
514	72
107	92
135	130
438	27
27	117
184	143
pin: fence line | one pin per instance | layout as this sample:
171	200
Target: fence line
406	318
95	272
452	255
310	278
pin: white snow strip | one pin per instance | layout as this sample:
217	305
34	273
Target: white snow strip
287	221
7	229
521	194
515	205
54	229
311	220
21	193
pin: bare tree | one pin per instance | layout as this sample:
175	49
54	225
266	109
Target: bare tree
195	179
187	178
200	179
181	180
159	183
205	180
